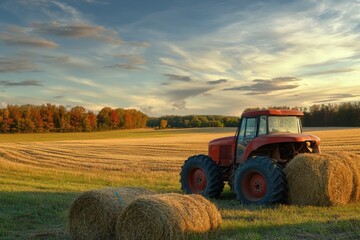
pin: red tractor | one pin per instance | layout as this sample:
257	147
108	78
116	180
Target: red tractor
252	161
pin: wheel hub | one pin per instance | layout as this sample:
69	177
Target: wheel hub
257	184
254	186
197	180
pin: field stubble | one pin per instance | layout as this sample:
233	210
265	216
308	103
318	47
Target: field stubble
51	173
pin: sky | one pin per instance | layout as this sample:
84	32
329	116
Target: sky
179	57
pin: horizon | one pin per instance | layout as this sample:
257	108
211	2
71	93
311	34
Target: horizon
180	57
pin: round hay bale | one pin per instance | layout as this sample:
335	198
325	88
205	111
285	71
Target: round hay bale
93	214
168	216
318	179
353	161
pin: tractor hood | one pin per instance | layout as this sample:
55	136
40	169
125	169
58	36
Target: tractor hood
279	138
287	137
222	141
283	137
221	150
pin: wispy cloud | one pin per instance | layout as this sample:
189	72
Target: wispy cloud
337	98
27	41
132	58
58	97
178	77
82	81
220	81
326	72
69	10
183	93
19	36
17	65
205	60
21	83
181	104
127	66
265	86
131	61
65	60
78	30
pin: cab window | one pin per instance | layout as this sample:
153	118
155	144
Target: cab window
242	128
250	131
262	126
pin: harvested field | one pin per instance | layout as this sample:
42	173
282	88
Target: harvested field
41	176
134	155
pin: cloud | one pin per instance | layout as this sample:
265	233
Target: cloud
178	77
19	36
56	59
182	93
78	30
146	109
201	59
263	86
21	83
28	41
220	81
82	81
132	58
65	60
68	12
181	105
126	66
16	65
337	97
58	97
97	1
335	71
132	61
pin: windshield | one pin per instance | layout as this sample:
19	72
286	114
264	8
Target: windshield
284	124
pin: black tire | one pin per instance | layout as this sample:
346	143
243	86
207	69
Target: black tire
201	175
260	181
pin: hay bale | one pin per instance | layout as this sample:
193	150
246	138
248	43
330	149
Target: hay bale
168	216
93	214
318	179
353	161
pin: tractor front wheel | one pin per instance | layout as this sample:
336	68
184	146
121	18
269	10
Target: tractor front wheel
260	181
201	175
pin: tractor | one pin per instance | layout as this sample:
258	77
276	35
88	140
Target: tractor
252	161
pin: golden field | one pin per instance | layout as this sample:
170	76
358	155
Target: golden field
54	172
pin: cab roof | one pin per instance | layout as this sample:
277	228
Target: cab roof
273	112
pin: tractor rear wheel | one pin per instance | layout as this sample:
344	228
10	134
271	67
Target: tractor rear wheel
260	181
201	175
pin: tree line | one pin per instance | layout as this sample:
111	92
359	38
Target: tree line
52	118
333	115
193	121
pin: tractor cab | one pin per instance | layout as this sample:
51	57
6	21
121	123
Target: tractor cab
265	131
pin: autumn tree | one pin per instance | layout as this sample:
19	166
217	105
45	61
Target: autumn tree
78	118
163	123
104	118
